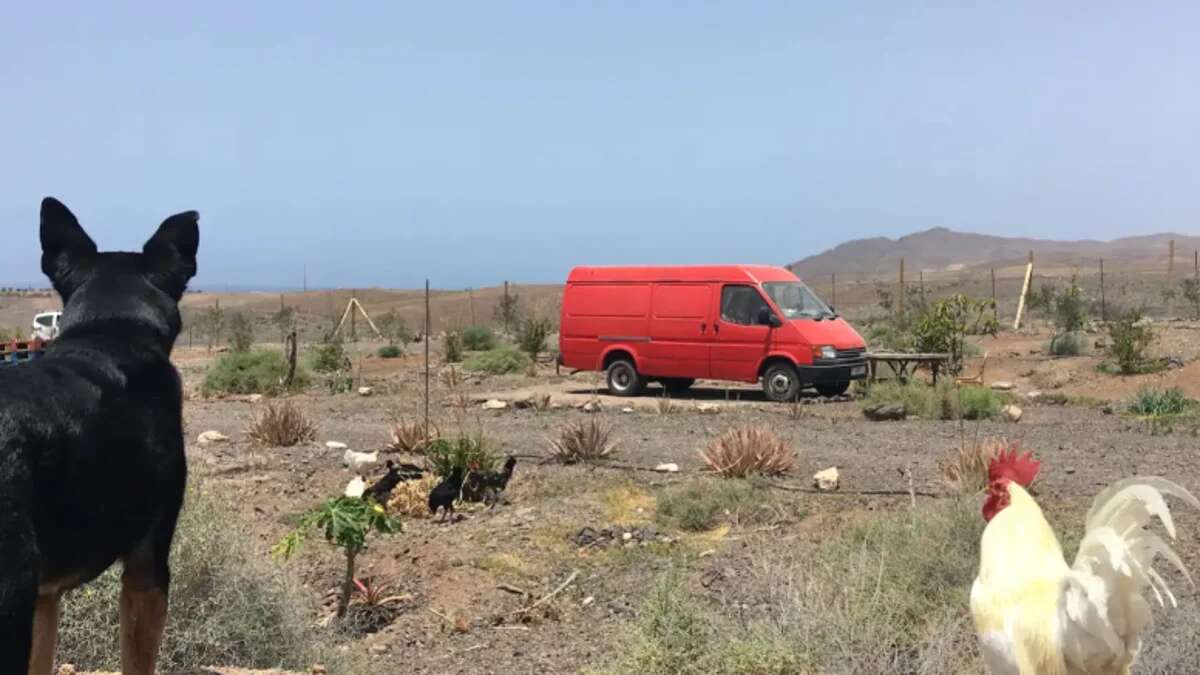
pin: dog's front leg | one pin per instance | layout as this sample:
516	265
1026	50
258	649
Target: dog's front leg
143	616
45	633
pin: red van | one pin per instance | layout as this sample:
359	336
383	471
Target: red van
674	325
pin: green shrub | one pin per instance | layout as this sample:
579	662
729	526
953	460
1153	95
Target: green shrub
241	332
390	352
394	329
1155	402
467	452
883	336
1067	344
701	505
257	371
452	347
498	361
1070	308
946	401
944	326
329	356
1128	342
479	338
228	605
531	336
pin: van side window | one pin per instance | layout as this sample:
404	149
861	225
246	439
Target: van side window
741	304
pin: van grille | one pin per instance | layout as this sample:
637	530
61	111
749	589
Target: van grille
846	357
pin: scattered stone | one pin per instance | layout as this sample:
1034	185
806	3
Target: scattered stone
627	410
591	407
494	404
335	445
625	537
588	600
1070	470
885	412
523	403
708	408
366	391
1174	363
828	480
318	669
1101	344
67	669
378	649
708	552
1003	385
254	398
1013	413
1034	395
669	467
358	461
212	437
1107	409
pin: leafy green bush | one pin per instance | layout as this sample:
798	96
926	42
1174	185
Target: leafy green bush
1070	308
884	336
241	332
329	356
697	506
257	371
394	329
452	347
479	338
944	326
1190	290
979	403
1155	402
390	352
498	361
1128	342
228	605
467	452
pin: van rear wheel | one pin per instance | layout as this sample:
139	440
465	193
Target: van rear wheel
623	378
781	382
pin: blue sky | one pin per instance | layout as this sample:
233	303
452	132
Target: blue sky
380	143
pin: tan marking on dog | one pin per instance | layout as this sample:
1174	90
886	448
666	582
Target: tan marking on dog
143	617
45	633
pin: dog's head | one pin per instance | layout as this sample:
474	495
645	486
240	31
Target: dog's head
143	287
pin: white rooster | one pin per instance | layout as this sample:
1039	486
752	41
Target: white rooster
1034	614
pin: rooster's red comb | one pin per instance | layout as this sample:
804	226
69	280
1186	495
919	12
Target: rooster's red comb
1010	464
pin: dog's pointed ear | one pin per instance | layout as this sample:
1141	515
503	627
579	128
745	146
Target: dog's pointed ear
66	248
170	254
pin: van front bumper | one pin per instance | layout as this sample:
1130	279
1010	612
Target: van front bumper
822	374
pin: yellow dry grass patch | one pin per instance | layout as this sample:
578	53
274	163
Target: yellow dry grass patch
628	505
411	498
505	564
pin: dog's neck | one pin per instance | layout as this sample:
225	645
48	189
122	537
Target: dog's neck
124	342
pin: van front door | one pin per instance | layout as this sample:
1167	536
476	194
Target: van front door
681	331
741	342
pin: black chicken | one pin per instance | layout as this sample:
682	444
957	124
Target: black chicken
381	490
443	496
486	486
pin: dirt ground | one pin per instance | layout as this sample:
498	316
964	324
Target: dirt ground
466	585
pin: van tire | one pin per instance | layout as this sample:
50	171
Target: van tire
677	385
781	382
832	389
623	379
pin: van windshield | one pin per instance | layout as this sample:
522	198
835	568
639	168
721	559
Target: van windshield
796	300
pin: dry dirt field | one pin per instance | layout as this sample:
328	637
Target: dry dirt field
465	585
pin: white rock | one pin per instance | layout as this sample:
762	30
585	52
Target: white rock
708	408
1003	386
1013	413
254	398
588	600
590	407
669	467
827	480
627	536
494	404
335	445
356	487
212	437
627	410
366	391
357	461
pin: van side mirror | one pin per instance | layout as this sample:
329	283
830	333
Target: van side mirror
767	318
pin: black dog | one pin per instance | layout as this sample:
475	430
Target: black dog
92	465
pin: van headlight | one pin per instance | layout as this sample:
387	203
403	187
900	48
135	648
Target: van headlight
825	352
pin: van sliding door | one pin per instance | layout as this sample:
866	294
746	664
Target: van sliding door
681	331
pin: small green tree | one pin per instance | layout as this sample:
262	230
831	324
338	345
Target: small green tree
330	355
210	322
346	522
531	337
241	332
508	312
1042	300
394	329
452	347
285	321
1129	338
945	325
1190	289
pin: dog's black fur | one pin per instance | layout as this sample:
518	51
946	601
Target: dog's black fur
92	465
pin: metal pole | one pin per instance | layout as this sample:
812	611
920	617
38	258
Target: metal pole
833	285
900	294
995	307
1103	298
427	322
1171	279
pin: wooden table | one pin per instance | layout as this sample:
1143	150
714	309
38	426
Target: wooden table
902	364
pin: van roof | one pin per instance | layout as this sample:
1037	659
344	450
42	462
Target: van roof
661	273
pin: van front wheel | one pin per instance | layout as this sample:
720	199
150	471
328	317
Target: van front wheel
623	378
781	382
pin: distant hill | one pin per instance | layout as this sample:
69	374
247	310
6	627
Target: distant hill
944	250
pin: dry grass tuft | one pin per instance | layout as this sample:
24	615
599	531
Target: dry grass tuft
965	471
583	442
745	450
281	426
665	405
411	499
412	437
